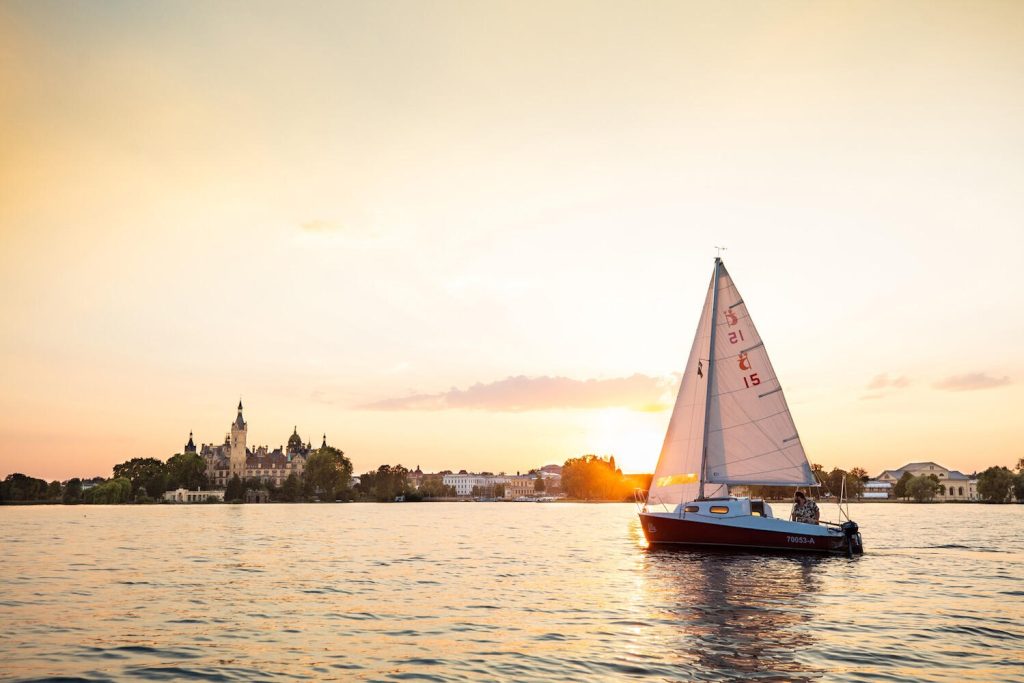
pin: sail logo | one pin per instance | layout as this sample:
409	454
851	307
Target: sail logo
730	317
744	362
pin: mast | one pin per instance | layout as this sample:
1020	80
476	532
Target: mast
711	376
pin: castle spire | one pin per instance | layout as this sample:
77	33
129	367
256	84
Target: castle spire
324	444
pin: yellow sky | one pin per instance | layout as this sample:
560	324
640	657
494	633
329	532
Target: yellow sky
391	221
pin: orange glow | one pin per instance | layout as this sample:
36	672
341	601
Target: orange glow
333	221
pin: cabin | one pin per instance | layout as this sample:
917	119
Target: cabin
727	507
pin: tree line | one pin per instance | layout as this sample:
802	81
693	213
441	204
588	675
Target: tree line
326	477
592	477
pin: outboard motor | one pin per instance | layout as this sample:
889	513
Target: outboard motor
853	541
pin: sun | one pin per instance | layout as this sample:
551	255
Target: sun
634	438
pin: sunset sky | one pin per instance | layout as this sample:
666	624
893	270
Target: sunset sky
478	235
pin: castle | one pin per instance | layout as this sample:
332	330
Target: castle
233	457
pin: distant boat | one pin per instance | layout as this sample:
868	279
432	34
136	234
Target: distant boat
731	426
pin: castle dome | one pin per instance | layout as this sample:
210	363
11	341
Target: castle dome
295	441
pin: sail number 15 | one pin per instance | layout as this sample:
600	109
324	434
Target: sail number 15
751	380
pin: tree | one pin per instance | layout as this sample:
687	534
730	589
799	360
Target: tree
387	483
855	482
328	472
433	486
996	484
54	490
819	473
21	487
112	492
900	489
538	484
72	491
235	490
591	477
834	481
1018	486
291	490
923	488
187	471
147	474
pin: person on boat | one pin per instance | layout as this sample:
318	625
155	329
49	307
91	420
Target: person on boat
804	510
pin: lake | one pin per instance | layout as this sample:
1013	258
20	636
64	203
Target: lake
499	591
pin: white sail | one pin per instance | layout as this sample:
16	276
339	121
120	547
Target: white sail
751	435
751	438
677	476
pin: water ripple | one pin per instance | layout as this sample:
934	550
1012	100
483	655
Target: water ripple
455	592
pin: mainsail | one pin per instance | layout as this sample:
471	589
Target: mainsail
731	423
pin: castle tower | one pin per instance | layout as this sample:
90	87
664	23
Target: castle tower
238	432
190	447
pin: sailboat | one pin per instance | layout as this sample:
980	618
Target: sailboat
731	427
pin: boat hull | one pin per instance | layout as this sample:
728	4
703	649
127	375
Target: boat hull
664	529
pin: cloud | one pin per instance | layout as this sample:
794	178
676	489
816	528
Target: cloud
318	226
879	383
970	382
518	394
883	382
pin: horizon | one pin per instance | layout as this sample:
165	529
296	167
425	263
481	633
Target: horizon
477	236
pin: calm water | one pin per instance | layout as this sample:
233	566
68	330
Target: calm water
477	591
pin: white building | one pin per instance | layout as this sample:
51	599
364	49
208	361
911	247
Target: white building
955	484
186	496
464	482
520	486
877	489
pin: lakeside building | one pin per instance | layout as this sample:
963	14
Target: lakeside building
186	496
234	457
464	481
956	485
516	486
520	486
877	490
